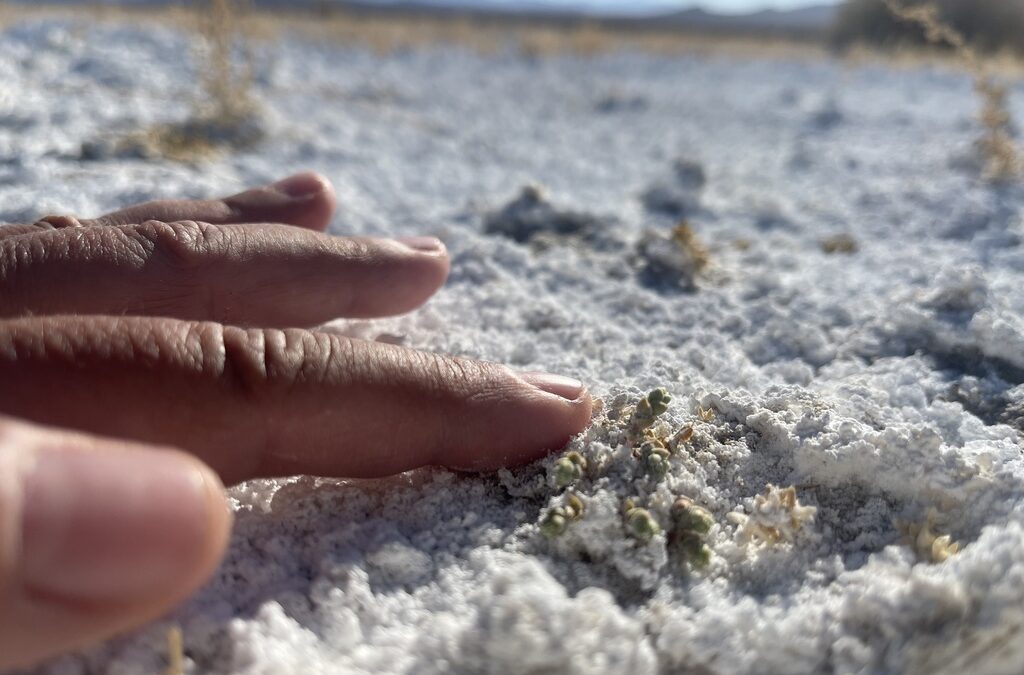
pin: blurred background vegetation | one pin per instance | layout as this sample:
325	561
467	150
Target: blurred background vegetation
988	25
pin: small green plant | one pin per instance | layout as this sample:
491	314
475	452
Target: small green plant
556	521
640	524
654	458
648	410
657	401
690	526
567	470
689	517
1001	156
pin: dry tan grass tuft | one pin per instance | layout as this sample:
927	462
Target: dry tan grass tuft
839	244
226	85
1003	160
225	111
686	239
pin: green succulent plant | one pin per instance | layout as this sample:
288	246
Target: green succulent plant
641	524
690	525
689	549
568	469
574	507
649	408
654	458
658	400
689	517
554	523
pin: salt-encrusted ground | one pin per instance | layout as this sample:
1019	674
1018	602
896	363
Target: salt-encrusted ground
881	383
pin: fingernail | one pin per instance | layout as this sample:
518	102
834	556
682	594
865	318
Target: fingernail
300	185
117	526
566	387
425	244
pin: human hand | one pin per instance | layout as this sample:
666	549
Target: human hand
98	534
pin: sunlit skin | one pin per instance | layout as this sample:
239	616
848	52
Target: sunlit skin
153	355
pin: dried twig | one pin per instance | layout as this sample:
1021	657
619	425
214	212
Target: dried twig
1002	157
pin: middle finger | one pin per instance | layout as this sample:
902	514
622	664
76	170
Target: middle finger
257	403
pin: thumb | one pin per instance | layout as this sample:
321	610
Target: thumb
97	536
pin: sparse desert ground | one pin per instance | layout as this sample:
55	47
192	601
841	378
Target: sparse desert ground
844	316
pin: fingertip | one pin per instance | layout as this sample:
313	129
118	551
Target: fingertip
539	414
302	184
307	200
317	197
430	265
560	409
432	256
399	276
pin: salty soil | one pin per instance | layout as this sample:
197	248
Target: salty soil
844	316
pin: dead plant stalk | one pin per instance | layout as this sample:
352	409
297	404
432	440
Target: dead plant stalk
227	88
1002	157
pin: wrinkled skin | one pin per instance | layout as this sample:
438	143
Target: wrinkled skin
153	355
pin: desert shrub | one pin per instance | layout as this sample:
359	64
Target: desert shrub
989	25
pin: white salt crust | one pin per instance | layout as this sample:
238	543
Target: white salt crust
880	384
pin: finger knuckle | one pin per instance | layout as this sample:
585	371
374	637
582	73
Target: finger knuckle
261	361
182	245
243	359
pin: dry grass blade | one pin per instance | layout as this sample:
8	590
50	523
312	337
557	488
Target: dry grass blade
937	31
175	652
226	113
1002	157
227	88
